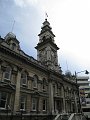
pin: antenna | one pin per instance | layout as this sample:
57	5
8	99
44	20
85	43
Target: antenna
13	26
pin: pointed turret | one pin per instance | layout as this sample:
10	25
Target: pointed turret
46	32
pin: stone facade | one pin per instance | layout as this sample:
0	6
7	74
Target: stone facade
35	86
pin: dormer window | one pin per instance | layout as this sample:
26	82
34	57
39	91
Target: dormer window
24	78
7	73
13	46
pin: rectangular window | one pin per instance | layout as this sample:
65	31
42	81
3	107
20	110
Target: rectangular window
7	76
7	73
44	105
22	103
3	99
34	104
35	80
24	79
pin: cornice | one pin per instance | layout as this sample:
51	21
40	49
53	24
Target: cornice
24	59
45	42
7	86
42	31
35	65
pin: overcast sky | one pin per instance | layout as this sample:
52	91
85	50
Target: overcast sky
70	22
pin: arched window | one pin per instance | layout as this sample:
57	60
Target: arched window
7	73
24	78
35	81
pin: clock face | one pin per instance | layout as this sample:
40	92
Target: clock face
42	55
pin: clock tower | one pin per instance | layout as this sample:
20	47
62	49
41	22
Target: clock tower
46	48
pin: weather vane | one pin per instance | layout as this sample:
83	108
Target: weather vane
46	15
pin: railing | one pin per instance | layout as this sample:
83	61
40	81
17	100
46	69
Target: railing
73	116
64	116
77	116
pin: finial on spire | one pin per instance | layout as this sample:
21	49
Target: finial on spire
46	15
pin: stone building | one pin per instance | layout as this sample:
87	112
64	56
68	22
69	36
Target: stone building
35	86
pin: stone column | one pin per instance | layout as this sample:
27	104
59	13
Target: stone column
17	93
63	95
76	107
51	99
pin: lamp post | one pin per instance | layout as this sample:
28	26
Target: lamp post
86	72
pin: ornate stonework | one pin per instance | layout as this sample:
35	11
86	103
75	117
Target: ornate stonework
34	86
46	48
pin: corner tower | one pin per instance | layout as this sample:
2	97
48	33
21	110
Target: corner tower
46	48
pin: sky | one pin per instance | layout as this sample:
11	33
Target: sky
70	22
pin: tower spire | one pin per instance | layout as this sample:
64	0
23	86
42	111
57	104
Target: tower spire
46	48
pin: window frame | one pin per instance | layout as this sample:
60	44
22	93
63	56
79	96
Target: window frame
24	78
34	103
23	102
35	81
13	47
7	73
44	104
5	100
